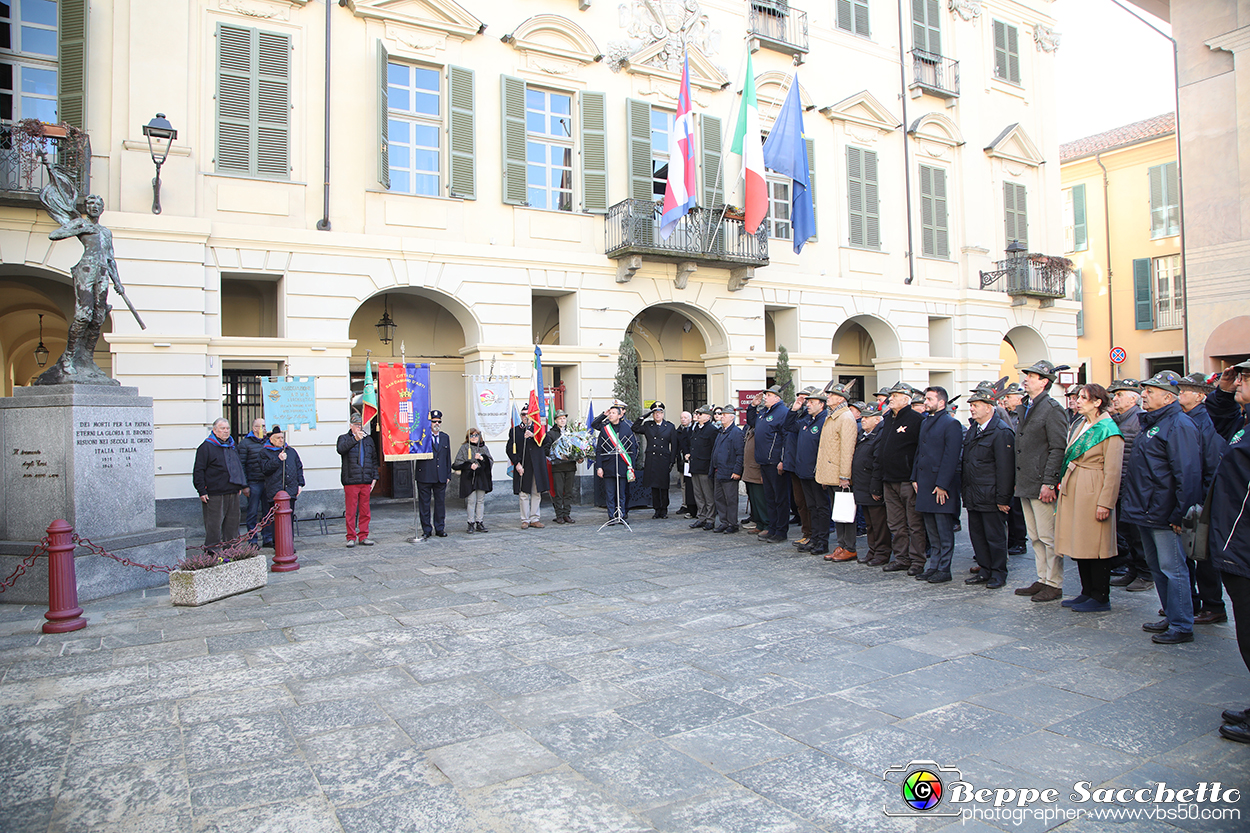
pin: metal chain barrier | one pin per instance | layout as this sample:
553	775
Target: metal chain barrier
98	550
27	563
261	524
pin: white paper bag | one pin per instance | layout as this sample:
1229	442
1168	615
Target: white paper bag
844	507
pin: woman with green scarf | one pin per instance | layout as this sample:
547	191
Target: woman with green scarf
1085	511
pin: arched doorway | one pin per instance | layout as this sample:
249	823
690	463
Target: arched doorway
1021	347
858	343
1228	344
672	340
25	294
428	329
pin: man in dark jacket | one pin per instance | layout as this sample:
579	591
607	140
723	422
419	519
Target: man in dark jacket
727	463
1164	480
1012	403
283	471
702	438
935	479
1041	440
1228	414
218	476
770	443
873	506
1204	579
432	478
891	480
1229	547
616	448
1126	411
249	447
806	450
685	429
563	471
527	451
988	481
789	462
661	453
358	474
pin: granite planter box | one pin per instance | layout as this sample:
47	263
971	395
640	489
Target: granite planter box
197	587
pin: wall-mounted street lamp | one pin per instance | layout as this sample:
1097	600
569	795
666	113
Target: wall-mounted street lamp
159	130
41	352
386	326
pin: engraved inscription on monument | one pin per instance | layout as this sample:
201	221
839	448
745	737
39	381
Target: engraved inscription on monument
31	464
115	443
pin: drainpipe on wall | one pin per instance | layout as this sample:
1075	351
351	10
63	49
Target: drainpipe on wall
324	223
902	78
1106	220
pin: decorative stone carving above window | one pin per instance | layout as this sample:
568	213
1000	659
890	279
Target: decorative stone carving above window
771	89
1014	145
967	9
421	25
1046	38
935	135
262	9
553	44
659	32
863	116
704	75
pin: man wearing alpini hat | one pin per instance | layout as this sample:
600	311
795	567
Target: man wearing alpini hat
891	479
1041	440
1208	596
834	465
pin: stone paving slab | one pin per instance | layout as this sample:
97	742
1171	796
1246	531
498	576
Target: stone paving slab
567	679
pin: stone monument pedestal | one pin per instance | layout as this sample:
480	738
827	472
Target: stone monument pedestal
83	453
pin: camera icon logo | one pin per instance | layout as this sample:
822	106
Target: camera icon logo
923	788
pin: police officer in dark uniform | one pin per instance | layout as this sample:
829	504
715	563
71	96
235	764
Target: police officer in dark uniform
432	478
659	457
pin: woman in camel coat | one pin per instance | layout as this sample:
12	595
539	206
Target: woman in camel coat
1085	512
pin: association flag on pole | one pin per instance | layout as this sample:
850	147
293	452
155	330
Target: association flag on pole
747	144
785	151
537	409
680	193
369	402
590	417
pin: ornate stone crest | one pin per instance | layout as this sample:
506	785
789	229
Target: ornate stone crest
675	24
1046	38
967	9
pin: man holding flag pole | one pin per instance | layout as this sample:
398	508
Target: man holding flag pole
527	450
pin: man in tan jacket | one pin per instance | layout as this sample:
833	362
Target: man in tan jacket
833	463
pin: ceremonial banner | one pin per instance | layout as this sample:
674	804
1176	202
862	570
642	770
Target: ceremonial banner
490	404
289	401
404	411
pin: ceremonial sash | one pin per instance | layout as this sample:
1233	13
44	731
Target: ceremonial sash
1096	433
620	450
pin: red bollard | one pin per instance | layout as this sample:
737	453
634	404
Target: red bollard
283	536
64	614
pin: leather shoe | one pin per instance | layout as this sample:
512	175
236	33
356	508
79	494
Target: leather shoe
1048	594
915	570
1075	600
996	584
975	568
803	548
924	575
1123	581
1032	589
979	578
441	534
709	525
1210	617
894	567
1020	550
696	524
1172	637
1139	585
1092	606
1239	732
536	524
765	535
1155	627
569	520
820	551
730	530
801	541
721	528
847	555
877	562
939	578
1230	716
775	539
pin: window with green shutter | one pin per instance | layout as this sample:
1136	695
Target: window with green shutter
253	102
1080	232
864	214
1006	52
1143	304
926	26
641	168
594	153
1015	213
72	62
1078	295
1165	201
513	97
811	183
462	134
853	16
934	233
710	143
542	141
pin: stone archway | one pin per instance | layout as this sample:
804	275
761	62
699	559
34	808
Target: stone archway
1229	343
1021	346
672	341
25	294
858	343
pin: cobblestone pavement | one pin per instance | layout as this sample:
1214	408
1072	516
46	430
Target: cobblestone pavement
567	679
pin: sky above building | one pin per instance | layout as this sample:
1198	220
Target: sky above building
1111	69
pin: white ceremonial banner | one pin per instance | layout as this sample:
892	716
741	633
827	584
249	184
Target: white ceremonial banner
490	405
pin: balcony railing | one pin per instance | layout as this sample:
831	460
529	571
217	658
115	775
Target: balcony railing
935	74
1169	314
22	173
632	227
776	26
1026	276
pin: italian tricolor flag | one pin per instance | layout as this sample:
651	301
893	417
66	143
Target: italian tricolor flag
747	144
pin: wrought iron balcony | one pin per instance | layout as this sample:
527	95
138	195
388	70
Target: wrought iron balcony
776	26
934	74
22	173
1025	276
632	228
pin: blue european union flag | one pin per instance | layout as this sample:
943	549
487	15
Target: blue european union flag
785	152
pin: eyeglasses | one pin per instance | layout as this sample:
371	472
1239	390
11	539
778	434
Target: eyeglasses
437	421
474	434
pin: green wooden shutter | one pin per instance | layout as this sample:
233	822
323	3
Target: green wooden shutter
1078	295
1143	303
234	98
926	211
940	215
855	195
710	140
1000	49
934	235
926	26
1172	198
514	192
1006	52
72	62
1015	213
1156	201
1013	54
594	153
384	109
861	18
273	104
872	206
462	134
811	183
853	16
1080	232
638	114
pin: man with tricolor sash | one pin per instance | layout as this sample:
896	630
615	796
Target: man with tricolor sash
615	449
